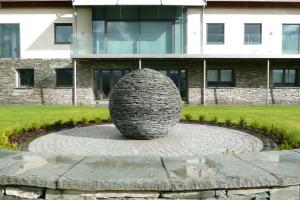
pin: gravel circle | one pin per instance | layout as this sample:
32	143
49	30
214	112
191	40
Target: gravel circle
183	140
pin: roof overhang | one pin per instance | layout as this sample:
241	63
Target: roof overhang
139	2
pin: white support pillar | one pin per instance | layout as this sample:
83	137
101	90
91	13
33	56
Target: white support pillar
268	82
140	63
75	83
204	82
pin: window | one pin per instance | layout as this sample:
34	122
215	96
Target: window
291	38
179	77
63	33
64	77
25	77
252	34
285	77
105	79
215	33
220	77
9	41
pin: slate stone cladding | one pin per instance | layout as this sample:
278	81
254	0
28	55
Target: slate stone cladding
249	88
145	104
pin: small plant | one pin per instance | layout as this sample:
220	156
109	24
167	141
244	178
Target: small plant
84	121
188	117
71	122
109	119
254	126
98	120
242	122
214	120
228	122
202	118
264	128
58	123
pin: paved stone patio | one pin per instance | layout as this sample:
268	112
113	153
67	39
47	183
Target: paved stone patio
184	140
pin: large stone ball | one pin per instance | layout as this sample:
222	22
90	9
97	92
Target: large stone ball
145	104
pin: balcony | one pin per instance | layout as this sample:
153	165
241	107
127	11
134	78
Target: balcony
126	44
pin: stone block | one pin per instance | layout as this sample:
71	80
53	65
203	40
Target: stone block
24	192
214	172
284	165
189	195
127	194
69	195
34	169
289	193
116	173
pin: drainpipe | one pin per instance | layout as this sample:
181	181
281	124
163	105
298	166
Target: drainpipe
268	82
140	63
74	50
75	83
204	82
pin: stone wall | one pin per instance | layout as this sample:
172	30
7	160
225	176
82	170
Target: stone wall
44	90
272	175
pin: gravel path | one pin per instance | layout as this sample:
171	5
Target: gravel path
185	139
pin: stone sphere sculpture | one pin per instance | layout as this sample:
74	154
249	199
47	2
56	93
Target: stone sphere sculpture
145	104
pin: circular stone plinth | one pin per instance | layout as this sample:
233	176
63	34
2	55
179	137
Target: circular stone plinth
145	104
183	140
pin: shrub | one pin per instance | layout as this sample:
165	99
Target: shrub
83	121
58	123
188	117
242	122
214	120
228	122
254	126
202	118
71	122
98	120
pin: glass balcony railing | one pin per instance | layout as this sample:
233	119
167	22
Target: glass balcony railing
252	39
126	43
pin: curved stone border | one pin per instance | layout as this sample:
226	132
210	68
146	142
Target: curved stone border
261	175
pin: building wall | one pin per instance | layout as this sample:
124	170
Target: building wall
44	90
234	20
37	30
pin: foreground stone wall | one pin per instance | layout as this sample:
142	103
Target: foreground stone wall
248	176
44	90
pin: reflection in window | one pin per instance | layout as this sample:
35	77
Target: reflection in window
285	77
105	80
63	33
25	77
220	77
9	41
215	33
252	34
291	38
64	77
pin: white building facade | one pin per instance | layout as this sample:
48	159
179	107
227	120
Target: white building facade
216	52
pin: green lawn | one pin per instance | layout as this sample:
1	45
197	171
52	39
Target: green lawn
285	117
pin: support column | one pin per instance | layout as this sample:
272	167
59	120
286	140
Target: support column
204	82
75	83
268	82
140	63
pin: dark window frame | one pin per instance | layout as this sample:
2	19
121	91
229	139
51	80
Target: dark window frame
253	43
215	43
284	84
56	78
19	83
219	83
55	28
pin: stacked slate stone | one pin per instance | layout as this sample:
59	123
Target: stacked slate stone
145	104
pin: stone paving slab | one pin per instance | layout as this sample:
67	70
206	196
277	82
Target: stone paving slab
33	169
116	173
285	165
297	150
215	171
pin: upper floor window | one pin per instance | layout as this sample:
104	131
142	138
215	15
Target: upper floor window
291	38
9	41
285	77
63	33
252	34
215	33
25	77
220	77
64	77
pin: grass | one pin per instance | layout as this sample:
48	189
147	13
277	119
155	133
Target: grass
282	117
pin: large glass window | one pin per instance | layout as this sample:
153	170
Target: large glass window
215	33
9	41
25	77
63	33
105	79
64	77
252	34
179	77
220	78
291	38
134	30
285	77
